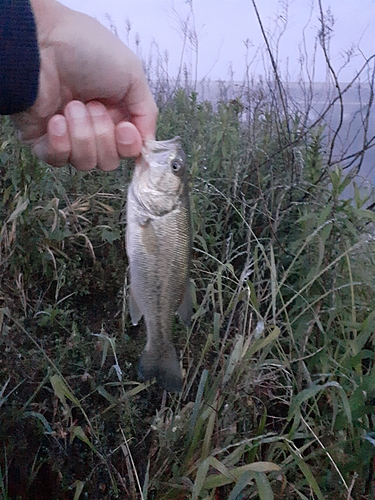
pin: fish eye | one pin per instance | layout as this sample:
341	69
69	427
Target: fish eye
176	165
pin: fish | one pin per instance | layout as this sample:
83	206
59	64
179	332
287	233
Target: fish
158	245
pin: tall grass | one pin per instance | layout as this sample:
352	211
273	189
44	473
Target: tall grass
279	370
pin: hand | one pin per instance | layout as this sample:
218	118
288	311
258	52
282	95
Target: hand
94	104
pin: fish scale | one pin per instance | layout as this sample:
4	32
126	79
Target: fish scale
158	244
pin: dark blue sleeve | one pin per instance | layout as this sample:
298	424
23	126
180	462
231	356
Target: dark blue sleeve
19	57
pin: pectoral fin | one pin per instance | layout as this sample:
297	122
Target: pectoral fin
185	311
135	312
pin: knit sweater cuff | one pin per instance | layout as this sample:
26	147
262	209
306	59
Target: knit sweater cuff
19	57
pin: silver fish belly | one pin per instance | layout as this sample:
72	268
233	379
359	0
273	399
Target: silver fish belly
158	243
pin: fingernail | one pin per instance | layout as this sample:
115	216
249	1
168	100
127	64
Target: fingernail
77	112
125	136
58	126
96	110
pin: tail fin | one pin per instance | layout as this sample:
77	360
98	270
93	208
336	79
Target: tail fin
162	365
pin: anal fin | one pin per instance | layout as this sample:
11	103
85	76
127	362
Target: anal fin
185	311
135	312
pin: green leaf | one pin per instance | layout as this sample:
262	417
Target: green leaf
207	445
306	471
200	479
264	486
103	392
198	403
306	394
261	343
21	207
234	359
253	296
263	467
77	431
244	480
110	235
40	417
62	391
79	488
255	467
217	324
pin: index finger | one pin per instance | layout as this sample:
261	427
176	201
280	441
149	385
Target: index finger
146	123
142	109
142	114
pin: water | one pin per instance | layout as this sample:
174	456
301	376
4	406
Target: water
352	146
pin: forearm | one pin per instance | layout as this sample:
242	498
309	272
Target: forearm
19	56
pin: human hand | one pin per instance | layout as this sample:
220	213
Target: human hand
94	104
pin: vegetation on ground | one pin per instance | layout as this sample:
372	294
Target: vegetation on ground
279	392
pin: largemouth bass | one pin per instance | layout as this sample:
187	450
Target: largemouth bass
158	243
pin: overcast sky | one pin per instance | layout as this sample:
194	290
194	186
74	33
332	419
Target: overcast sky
222	27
